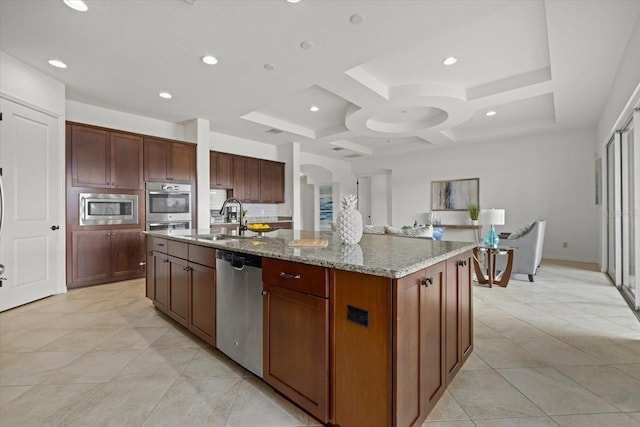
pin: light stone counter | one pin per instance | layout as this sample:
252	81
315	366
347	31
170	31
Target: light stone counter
379	255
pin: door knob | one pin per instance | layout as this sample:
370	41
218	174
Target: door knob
55	227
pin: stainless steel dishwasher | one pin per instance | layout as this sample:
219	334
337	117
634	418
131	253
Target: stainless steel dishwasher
239	308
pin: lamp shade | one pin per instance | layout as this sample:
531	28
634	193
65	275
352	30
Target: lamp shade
491	216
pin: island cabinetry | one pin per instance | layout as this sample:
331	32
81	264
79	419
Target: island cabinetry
104	159
103	255
419	347
459	315
166	160
246	179
221	170
181	283
296	333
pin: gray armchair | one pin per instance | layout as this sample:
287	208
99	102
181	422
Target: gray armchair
528	253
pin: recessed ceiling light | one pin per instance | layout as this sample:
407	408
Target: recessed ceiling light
306	45
293	1
269	67
57	63
450	60
209	60
356	19
491	113
314	108
165	95
78	5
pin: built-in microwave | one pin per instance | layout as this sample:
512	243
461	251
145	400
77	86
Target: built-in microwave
105	209
168	202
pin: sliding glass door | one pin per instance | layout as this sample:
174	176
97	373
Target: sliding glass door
623	209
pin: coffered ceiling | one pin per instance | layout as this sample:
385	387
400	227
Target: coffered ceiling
374	69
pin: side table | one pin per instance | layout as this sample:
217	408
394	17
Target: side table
490	277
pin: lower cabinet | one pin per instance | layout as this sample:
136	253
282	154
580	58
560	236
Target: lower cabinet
459	315
296	333
101	255
420	348
181	281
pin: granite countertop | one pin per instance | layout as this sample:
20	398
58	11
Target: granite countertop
375	254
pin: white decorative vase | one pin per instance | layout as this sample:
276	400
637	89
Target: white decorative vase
349	223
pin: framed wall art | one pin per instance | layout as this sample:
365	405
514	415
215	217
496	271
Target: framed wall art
455	195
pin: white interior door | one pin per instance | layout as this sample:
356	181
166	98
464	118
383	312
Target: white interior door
29	241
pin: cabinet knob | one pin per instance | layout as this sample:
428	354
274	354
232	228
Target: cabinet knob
428	281
462	263
142	263
55	227
265	293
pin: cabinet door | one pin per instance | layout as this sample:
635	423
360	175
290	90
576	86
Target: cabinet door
432	345
266	182
150	291
220	170
296	347
126	161
453	351
202	318
465	283
127	252
156	160
90	157
253	180
183	159
178	290
240	178
277	176
90	251
161	281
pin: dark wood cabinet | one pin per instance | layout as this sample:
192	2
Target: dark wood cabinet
459	321
220	170
296	333
246	179
169	161
420	340
181	281
102	255
271	182
103	159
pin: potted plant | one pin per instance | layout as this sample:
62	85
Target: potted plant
474	211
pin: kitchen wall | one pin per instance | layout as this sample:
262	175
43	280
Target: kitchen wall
540	176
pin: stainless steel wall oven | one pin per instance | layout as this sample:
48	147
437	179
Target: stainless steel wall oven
168	205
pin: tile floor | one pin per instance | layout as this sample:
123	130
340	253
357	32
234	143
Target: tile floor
564	351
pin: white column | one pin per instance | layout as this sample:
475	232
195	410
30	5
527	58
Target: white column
197	131
290	154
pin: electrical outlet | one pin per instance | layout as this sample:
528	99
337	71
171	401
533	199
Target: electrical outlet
565	244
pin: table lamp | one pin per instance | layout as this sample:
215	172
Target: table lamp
492	217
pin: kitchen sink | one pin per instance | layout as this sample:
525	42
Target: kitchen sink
216	237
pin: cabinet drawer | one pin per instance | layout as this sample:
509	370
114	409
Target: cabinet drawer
202	255
179	249
310	279
159	245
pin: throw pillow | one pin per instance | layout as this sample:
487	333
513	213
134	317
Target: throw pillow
521	231
373	229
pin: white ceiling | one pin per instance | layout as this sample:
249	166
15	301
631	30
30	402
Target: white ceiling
380	84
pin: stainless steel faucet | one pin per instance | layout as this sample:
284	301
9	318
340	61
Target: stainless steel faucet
242	227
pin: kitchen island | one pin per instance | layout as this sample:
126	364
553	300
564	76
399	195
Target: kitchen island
357	335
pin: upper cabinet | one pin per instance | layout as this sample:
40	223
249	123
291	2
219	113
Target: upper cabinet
169	161
103	159
271	182
246	179
220	170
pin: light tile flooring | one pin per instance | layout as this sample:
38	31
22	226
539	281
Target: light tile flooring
564	351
